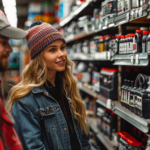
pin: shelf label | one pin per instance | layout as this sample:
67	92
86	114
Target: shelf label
140	12
132	59
137	59
136	13
132	14
127	16
106	21
108	54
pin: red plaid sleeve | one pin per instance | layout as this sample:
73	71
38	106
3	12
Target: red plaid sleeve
8	136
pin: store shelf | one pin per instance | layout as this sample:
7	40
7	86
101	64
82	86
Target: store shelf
140	123
122	19
75	13
139	59
87	90
99	56
104	139
101	101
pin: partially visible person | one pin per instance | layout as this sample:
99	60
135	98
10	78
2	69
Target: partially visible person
8	136
46	105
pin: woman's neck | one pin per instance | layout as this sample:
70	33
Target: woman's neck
51	77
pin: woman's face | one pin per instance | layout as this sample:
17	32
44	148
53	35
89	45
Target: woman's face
55	56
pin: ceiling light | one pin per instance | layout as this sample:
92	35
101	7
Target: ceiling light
13	20
9	3
10	10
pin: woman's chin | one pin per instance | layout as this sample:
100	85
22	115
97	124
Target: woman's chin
61	69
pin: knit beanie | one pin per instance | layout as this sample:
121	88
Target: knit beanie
40	35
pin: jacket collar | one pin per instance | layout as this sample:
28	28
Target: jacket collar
39	89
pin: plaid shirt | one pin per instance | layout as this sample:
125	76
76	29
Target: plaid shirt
8	136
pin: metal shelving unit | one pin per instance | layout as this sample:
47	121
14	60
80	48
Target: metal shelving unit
100	56
138	59
140	123
75	13
104	139
85	89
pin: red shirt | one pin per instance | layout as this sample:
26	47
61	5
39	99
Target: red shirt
8	136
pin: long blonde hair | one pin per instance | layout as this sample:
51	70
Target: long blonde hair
35	75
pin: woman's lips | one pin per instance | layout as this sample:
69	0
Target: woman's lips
61	62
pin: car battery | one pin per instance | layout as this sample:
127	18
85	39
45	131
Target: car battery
142	98
109	83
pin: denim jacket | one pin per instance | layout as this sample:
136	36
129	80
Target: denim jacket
41	125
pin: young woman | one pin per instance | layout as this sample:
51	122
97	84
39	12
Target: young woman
46	105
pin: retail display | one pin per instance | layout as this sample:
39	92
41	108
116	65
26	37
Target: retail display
127	142
108	83
136	96
106	121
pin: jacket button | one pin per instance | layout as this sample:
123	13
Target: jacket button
58	109
65	129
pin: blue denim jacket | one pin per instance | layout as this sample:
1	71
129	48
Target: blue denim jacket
41	125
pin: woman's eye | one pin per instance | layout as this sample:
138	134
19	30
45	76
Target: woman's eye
62	48
52	50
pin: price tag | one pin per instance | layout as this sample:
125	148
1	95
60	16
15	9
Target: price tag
106	22
108	55
137	59
132	59
136	13
127	16
132	14
140	12
109	104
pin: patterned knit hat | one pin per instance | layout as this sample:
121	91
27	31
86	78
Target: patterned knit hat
40	35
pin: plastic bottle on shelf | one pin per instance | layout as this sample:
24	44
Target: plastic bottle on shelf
121	6
127	5
108	39
94	45
85	47
145	35
101	43
131	39
135	4
117	41
148	44
137	43
96	17
143	2
122	44
125	44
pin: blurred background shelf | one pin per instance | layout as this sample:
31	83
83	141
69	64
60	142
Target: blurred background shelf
104	139
140	123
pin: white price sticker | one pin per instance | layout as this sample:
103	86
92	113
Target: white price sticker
106	21
132	59
127	16
140	12
137	59
108	54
